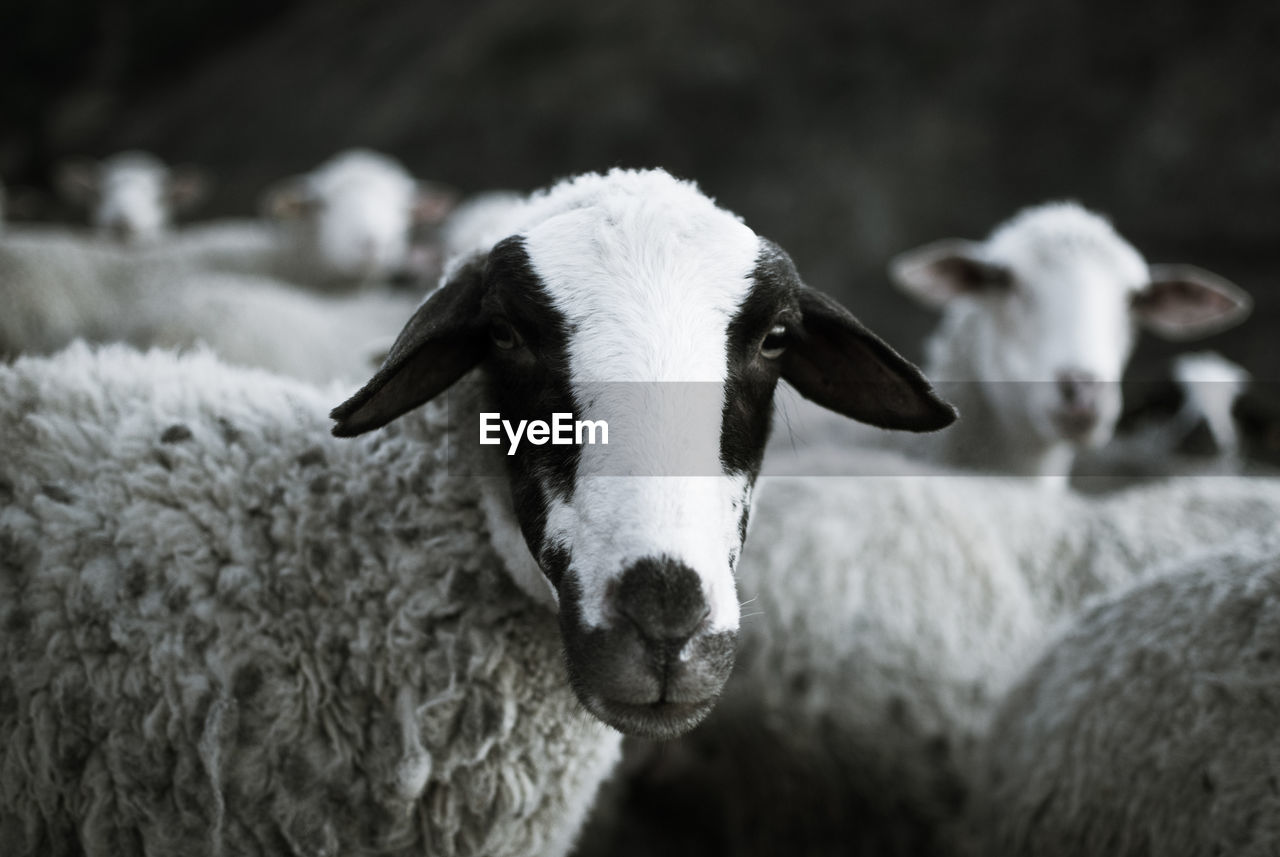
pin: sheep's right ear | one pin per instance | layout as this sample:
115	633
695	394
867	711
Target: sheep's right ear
77	180
443	341
937	272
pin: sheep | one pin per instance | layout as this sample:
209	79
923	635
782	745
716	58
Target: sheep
1188	428
1037	325
352	219
875	650
350	224
57	289
1148	726
131	196
226	632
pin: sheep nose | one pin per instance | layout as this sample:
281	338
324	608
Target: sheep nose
663	601
1078	389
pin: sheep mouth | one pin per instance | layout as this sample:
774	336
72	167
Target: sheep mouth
662	720
1076	425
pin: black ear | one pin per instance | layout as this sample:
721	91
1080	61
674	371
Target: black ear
841	365
936	273
443	340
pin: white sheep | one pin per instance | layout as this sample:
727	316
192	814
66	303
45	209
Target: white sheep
1038	324
887	616
1149	726
57	289
1194	432
131	196
353	218
226	632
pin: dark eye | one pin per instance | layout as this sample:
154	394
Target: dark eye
504	335
774	343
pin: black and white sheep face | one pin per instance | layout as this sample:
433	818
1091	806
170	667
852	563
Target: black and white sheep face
1043	317
644	306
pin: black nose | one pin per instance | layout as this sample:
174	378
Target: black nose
656	667
663	599
1078	388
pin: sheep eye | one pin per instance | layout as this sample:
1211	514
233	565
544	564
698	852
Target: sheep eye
772	346
504	335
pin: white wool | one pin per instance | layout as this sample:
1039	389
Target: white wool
61	288
222	627
1148	724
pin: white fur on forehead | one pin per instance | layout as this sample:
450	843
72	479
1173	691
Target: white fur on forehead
133	163
647	270
1064	233
360	168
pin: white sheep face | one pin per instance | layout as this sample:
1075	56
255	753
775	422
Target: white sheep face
365	214
132	203
1042	317
131	196
632	299
359	210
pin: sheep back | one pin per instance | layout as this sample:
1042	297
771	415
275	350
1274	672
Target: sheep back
223	631
1149	726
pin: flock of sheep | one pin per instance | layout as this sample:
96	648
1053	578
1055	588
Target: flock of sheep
249	609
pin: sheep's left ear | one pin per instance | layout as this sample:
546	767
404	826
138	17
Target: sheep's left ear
841	365
432	203
1182	302
186	187
442	342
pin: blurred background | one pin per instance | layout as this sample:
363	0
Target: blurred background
846	131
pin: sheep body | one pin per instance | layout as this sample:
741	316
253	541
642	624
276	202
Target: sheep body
865	681
226	632
1148	727
59	288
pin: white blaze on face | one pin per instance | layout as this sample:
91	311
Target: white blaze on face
133	200
648	289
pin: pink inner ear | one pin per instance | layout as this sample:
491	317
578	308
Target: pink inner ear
431	205
1181	302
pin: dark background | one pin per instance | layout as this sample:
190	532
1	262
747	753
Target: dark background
847	131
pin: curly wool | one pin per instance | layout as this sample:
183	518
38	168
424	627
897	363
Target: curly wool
1149	725
224	632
